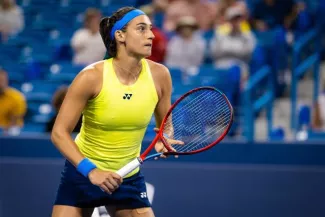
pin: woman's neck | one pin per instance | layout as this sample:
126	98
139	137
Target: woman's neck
130	65
127	68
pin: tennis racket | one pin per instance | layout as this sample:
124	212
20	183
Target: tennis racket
201	118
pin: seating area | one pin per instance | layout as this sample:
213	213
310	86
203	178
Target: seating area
38	59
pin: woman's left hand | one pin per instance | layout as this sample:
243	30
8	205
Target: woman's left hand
160	147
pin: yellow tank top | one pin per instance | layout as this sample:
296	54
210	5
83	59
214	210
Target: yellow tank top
114	122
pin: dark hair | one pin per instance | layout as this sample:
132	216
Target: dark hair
106	25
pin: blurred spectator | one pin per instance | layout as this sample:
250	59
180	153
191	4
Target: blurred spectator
12	105
271	20
11	19
224	5
160	41
57	101
159	9
186	48
142	2
268	14
86	42
203	11
292	15
158	5
232	45
318	121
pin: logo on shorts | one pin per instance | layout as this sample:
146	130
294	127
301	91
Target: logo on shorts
127	96
143	194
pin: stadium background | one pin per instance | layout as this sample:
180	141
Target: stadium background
272	163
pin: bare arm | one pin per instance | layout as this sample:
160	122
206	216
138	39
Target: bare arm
163	83
81	90
164	102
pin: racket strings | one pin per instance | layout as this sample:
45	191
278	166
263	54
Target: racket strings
183	109
179	118
199	142
191	103
169	123
199	119
197	127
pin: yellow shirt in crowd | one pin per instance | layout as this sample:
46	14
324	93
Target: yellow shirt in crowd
12	106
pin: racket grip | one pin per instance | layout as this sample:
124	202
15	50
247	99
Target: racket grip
129	167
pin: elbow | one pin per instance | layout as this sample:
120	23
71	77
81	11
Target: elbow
60	133
56	135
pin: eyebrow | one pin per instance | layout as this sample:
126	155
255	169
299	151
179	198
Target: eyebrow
144	24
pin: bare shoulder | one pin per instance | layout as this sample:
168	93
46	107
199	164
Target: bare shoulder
161	77
93	72
158	70
90	78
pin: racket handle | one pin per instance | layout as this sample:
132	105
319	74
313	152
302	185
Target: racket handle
129	167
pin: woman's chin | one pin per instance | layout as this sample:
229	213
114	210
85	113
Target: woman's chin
143	54
146	54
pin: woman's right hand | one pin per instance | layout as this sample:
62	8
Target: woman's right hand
106	180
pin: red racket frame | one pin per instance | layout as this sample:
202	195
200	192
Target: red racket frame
160	136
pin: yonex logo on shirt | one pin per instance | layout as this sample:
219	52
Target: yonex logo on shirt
127	96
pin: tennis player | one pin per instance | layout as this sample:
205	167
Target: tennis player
117	98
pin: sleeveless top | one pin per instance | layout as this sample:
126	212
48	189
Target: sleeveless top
115	121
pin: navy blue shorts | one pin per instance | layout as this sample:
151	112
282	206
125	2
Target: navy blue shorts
76	190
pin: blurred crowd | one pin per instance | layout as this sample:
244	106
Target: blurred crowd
188	34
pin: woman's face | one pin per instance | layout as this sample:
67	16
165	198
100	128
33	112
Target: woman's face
139	36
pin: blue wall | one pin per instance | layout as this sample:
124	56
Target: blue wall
230	180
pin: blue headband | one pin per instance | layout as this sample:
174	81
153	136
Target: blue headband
126	18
